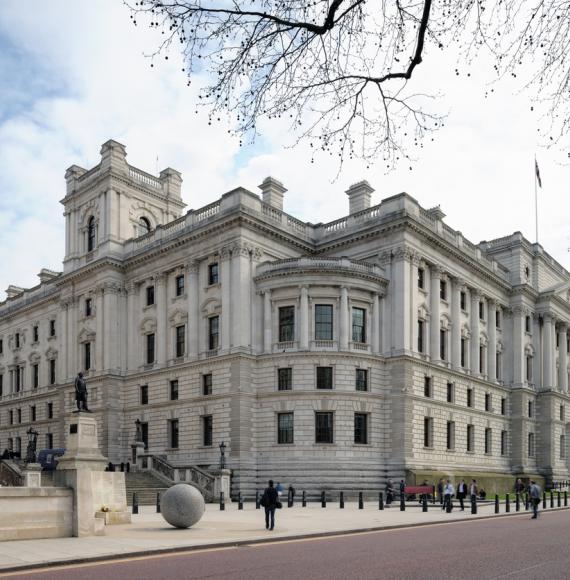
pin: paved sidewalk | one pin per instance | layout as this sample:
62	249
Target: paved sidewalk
149	533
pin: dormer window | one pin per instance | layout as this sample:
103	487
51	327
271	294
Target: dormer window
144	226
91	234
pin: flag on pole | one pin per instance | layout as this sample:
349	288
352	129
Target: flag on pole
536	170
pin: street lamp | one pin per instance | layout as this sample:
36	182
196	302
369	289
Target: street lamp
222	455
32	443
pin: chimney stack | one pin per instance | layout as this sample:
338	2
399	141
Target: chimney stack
359	196
272	191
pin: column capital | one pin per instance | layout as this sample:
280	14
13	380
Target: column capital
475	294
562	327
225	253
192	267
436	271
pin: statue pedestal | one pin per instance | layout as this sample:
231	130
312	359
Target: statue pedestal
221	483
137	449
83	469
33	475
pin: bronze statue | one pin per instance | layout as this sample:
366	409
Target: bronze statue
81	393
32	445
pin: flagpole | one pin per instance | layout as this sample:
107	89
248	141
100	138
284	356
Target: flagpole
535	200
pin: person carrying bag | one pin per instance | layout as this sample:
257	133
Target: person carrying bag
270	501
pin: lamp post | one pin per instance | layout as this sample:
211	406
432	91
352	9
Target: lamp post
222	455
32	443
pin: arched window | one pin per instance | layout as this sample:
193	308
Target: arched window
144	226
91	234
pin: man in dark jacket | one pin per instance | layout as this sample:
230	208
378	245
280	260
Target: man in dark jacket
270	499
462	493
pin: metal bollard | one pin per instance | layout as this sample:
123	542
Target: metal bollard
341	500
526	502
257	504
449	506
496	503
240	501
323	499
380	501
507	504
424	503
518	502
402	502
289	499
543	500
304	500
565	499
473	504
558	500
360	501
551	499
135	503
222	502
158	502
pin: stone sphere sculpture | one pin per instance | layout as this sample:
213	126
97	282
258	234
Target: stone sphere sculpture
182	505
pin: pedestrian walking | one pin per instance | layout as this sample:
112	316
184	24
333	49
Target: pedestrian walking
270	501
461	493
402	489
534	493
473	490
389	493
519	486
448	492
440	487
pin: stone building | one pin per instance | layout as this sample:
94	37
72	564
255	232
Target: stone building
380	345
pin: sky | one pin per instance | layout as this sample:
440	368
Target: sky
74	74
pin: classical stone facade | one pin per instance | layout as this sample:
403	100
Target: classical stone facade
381	345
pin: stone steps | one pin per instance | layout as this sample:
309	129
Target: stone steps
146	487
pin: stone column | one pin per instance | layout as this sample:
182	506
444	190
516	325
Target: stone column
434	302
344	322
304	319
474	331
267	322
456	324
193	296
226	299
553	359
161	339
519	374
241	295
548	350
376	323
100	338
73	340
64	339
133	325
401	311
562	359
492	345
414	303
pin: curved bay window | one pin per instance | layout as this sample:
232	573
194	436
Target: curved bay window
91	234
144	226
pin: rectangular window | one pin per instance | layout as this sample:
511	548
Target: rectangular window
531	444
527	324
503	442
207	429
52	327
323	322
33	413
450	393
285	428
530	410
488	441
529	368
481	359
1	385
470	437
358	325
421	278
450	435
49	440
144	394
17	340
286	323
19	412
35	334
487	401
11	417
481	310
35	376
149	295
213	332
144	429
285	379
323	427
213	274
463	301
443	289
427	387
420	336
174	390
87	356
150	349
503	406
497	365
50	410
180	340
207	384
470	397
562	446
428	432
1	346
498	318
52	372
463	352
173	433
361	380
562	412
324	378
88	307
442	345
361	428
180	285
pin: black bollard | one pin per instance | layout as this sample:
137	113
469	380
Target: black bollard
507	504
496	504
402	502
122	466
526	503
565	499
449	506
551	499
473	504
135	503
257	504
240	501
424	503
290	498
433	494
360	501
558	499
543	500
128	467
222	502
304	500
341	501
518	502
323	499
158	502
380	501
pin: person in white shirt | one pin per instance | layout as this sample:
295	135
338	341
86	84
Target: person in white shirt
448	492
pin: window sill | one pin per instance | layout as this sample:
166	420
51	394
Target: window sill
180	297
148	307
52	337
212	286
428	447
450	450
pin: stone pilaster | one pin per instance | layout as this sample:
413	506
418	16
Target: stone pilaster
161	339
519	375
241	294
492	345
226	299
344	319
435	316
562	358
267	322
193	296
376	324
304	318
548	351
458	286
474	330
